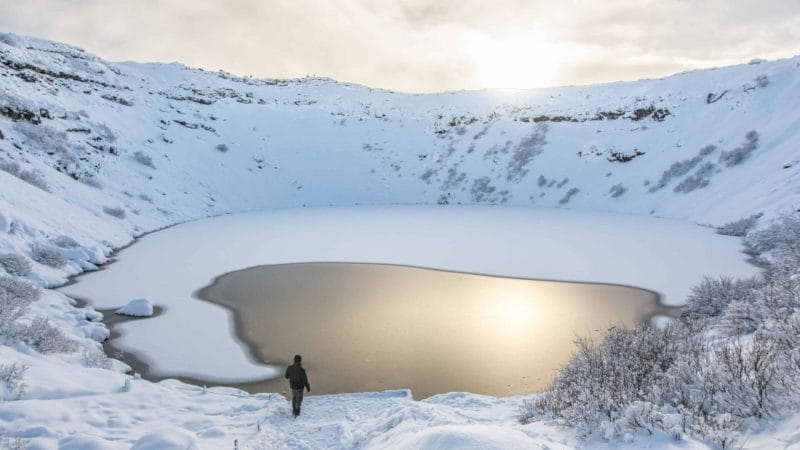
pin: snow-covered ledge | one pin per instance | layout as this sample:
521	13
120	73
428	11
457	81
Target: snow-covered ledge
195	338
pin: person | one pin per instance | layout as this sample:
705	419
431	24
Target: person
297	381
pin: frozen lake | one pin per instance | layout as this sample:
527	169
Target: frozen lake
201	340
369	327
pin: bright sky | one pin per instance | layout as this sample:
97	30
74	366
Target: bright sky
423	45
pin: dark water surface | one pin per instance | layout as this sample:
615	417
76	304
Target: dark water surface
366	327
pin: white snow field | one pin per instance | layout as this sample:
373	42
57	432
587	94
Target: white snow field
665	256
605	183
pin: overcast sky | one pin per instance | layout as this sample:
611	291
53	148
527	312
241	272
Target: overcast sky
423	45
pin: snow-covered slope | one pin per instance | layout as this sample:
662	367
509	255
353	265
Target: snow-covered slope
94	153
159	144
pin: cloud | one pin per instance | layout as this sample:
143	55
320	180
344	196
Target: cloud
420	45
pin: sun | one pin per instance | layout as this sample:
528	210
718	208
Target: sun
514	60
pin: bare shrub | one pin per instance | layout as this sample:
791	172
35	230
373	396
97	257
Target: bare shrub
48	256
143	159
44	337
16	265
116	211
12	380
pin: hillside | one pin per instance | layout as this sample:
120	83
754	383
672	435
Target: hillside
166	143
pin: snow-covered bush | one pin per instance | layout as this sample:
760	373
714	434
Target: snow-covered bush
104	132
712	296
116	211
617	190
92	180
568	196
16	295
781	237
97	359
600	380
12	383
11	167
143	159
8	39
681	168
733	357
541	181
48	256
700	179
65	241
43	137
742	152
33	177
16	265
528	148
739	227
482	189
44	337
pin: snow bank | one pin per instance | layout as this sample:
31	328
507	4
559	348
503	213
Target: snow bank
167	439
661	255
476	437
138	307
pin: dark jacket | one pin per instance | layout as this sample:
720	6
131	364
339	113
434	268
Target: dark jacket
297	377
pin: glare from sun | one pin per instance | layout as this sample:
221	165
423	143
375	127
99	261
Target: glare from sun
513	312
513	60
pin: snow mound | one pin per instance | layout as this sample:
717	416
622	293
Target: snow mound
166	439
138	307
76	442
467	437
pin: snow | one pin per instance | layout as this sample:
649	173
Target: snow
665	256
316	142
166	439
464	437
138	307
